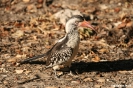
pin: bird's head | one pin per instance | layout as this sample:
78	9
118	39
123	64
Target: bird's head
76	21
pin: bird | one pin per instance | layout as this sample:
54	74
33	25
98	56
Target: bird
64	51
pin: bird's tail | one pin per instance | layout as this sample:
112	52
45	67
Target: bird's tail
32	58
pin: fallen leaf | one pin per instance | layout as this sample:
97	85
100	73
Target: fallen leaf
123	72
103	6
39	6
75	82
27	72
18	34
101	80
129	24
40	1
5	82
35	37
88	79
26	1
103	51
51	87
101	42
122	25
131	54
19	71
31	8
12	60
117	9
123	16
19	24
60	73
96	59
116	24
97	86
1	62
3	70
21	56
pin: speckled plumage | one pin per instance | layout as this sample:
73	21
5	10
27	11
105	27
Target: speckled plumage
64	50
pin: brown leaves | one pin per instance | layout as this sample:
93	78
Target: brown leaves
75	82
129	24
126	21
18	34
19	71
16	58
103	51
31	8
3	33
26	1
122	25
12	60
101	80
117	9
96	59
88	79
28	28
19	24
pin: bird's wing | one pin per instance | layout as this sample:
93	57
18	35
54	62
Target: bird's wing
60	53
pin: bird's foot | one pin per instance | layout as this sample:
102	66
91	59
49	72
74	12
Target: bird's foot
71	73
57	76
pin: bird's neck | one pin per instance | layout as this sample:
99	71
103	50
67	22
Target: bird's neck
73	38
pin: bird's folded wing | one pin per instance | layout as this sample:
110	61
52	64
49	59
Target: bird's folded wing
59	56
59	53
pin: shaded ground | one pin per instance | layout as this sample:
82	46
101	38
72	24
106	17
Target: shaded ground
105	57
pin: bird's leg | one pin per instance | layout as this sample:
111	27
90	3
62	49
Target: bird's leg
55	73
70	71
55	68
68	67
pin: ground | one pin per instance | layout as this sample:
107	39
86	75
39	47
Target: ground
105	57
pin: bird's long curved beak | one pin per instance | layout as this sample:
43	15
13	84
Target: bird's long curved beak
86	24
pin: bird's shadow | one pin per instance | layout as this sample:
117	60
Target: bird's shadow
106	66
81	67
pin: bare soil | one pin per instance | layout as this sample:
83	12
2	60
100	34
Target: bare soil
105	57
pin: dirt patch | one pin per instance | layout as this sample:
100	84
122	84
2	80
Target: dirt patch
105	57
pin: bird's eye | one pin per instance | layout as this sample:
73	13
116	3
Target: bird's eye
76	22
